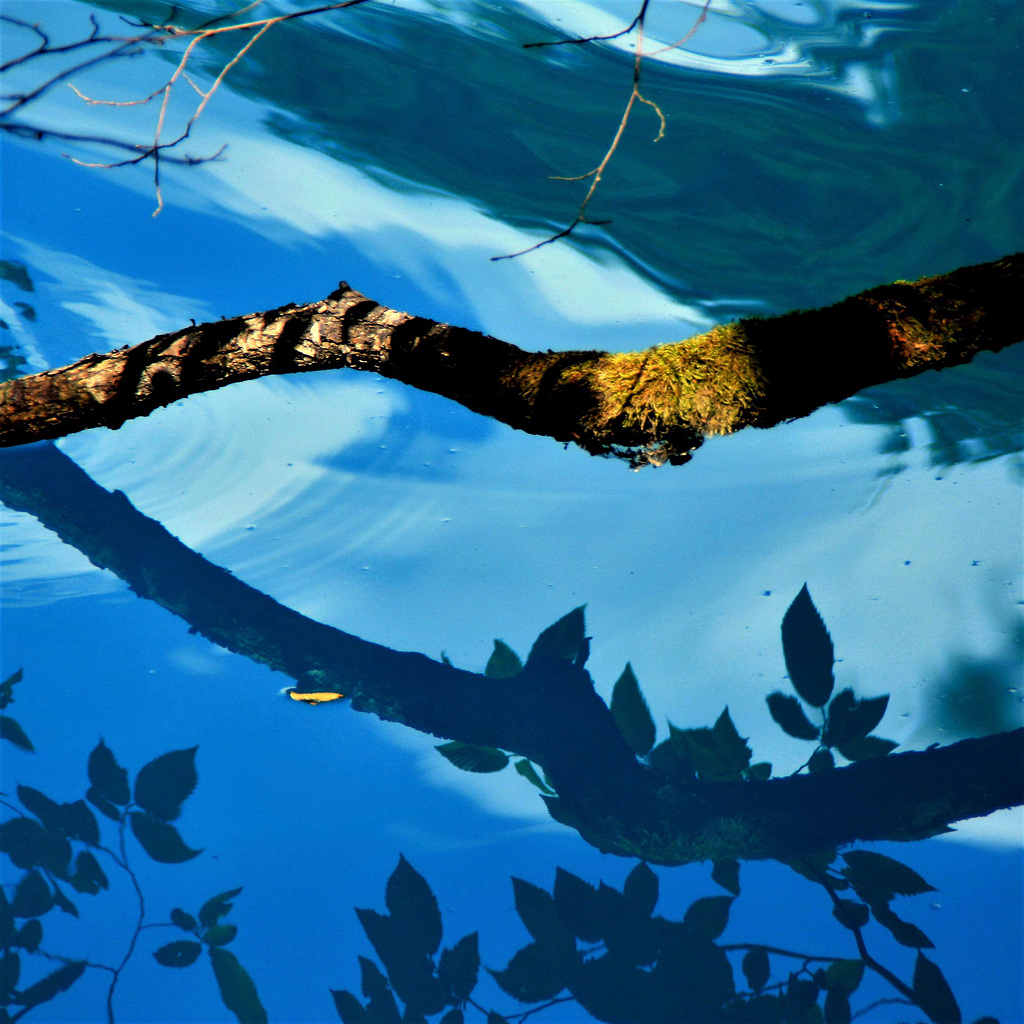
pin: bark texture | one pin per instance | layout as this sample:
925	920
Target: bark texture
549	713
653	406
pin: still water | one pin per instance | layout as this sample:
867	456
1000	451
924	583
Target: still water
812	149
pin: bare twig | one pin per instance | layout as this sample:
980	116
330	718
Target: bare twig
152	34
635	95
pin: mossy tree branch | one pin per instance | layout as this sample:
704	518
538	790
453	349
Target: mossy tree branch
549	713
652	406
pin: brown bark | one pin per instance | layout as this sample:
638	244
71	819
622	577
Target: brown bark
550	713
650	406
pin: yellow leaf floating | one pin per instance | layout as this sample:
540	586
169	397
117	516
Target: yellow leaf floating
315	698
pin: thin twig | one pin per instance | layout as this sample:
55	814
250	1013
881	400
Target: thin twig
635	95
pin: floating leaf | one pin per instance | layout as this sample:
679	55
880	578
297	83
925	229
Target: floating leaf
708	917
320	697
727	874
236	988
933	994
161	841
471	758
641	890
109	780
178	954
503	663
11	731
756	968
877	877
184	921
788	713
413	908
162	785
563	639
808	651
866	747
460	965
526	769
59	981
631	714
852	719
216	907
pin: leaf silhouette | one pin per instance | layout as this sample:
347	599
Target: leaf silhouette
933	994
845	975
471	758
787	712
178	954
162	785
33	897
533	974
184	921
526	769
808	650
852	719
382	1006
460	965
109	780
28	844
579	906
7	688
160	840
350	1010
631	714
220	934
537	910
707	917
877	877
11	731
756	967
562	639
641	889
866	747
503	662
215	908
59	981
236	988
413	908
727	874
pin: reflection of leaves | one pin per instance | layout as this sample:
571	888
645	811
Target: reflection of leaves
381	1006
503	663
28	844
788	713
631	714
844	975
562	639
184	921
220	934
756	967
877	877
851	914
708	917
32	898
808	650
109	780
16	272
821	761
165	783
640	890
866	747
718	753
178	954
526	769
460	965
161	841
59	981
534	974
579	906
11	731
236	988
539	914
727	874
7	688
933	994
471	758
413	908
210	912
89	876
852	719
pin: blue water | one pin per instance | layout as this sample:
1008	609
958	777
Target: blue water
812	149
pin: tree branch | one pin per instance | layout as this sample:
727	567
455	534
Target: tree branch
549	713
653	406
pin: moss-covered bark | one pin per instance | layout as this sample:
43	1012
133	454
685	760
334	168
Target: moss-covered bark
651	406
